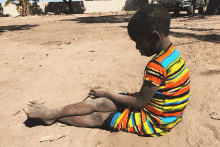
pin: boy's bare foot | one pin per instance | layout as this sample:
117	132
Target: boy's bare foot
215	115
36	110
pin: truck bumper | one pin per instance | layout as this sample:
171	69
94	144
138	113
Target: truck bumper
173	5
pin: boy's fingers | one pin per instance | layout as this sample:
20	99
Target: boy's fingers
92	96
91	93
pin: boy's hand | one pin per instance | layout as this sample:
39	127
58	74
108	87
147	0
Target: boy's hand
97	92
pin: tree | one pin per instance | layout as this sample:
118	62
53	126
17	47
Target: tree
213	7
78	6
22	6
70	5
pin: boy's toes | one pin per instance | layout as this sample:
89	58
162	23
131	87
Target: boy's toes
33	101
30	104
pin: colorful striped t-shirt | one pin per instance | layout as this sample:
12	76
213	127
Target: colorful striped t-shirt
168	71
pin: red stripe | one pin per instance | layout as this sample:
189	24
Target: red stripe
173	114
166	54
140	128
152	109
153	79
179	92
124	119
143	116
179	82
131	129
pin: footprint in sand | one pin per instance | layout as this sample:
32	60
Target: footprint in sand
215	115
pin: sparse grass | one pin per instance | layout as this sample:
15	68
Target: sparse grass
94	13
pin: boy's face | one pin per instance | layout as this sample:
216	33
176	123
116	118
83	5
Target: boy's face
146	47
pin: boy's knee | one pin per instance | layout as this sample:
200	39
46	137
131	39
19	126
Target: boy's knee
100	116
96	104
100	103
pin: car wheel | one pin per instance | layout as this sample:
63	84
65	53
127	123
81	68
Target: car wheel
176	12
201	10
190	10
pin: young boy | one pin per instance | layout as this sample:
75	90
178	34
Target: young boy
159	105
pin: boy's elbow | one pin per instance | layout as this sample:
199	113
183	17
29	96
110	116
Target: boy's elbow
142	104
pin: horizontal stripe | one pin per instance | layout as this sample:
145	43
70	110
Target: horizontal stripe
168	60
178	74
169	119
172	72
166	54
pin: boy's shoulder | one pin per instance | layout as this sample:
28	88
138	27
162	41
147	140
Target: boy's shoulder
167	56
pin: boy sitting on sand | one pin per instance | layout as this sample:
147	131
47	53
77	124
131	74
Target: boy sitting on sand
159	105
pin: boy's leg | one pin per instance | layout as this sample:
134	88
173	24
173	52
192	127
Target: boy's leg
96	119
36	110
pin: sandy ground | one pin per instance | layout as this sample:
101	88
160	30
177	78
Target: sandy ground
57	59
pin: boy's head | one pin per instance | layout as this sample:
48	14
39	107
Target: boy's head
148	26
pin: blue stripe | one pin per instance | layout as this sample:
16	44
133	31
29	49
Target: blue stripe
168	60
132	118
155	106
177	74
114	119
149	125
175	103
159	94
169	119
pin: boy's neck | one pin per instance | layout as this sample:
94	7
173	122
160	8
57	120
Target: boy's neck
165	42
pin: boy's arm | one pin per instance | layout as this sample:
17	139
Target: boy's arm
145	95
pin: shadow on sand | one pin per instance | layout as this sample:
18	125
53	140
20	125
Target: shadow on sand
102	19
16	28
33	122
210	37
211	72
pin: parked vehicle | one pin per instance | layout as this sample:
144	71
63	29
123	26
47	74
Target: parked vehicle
183	5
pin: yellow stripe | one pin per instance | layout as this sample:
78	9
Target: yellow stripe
179	77
158	100
174	62
153	135
175	66
158	130
146	128
161	107
118	119
159	103
161	88
179	99
164	133
171	125
172	108
130	124
137	117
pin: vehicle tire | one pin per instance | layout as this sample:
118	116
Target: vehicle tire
190	10
176	13
201	10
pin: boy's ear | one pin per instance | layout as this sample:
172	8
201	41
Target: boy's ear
156	36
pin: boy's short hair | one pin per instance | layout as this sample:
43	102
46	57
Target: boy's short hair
149	18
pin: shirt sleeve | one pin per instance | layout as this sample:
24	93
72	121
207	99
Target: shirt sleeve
155	73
